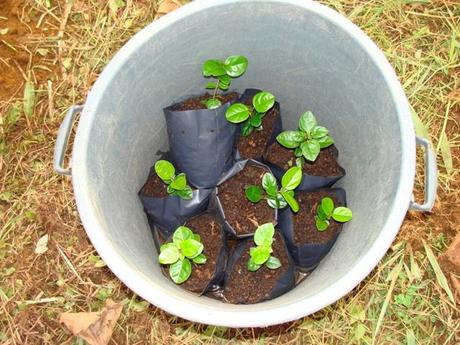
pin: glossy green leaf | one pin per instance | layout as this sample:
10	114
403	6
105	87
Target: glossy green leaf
321	224
263	101
273	263
291	178
253	193
236	65
298	152
307	121
212	103
200	259
29	99
321	214
256	120
225	80
213	68
293	204
186	193
260	254
325	141
264	235
327	205
342	214
191	248
277	202
252	266
169	255
269	184
310	149
224	87
237	113
165	170
211	85
319	132
181	234
180	271
246	129
291	139
179	182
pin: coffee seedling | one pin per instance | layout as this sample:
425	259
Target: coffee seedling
261	254
179	254
176	184
233	67
277	198
326	210
308	140
252	117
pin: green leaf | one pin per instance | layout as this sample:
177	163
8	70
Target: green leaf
307	122
291	178
191	248
168	255
181	234
212	103
179	182
298	152
319	132
213	68
342	214
321	214
276	202
196	237
165	170
253	193
29	99
260	254
269	184
115	5
211	85
264	235
310	149
224	87
293	204
236	65
325	141
252	266
291	139
180	271
273	263
327	205
256	120
186	193
200	259
225	80
263	101
13	114
321	224
246	129
446	153
237	113
440	277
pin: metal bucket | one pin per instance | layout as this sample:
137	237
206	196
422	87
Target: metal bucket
310	57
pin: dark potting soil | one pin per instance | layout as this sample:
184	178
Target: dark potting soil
248	287
325	165
253	146
209	229
196	102
243	215
304	221
155	187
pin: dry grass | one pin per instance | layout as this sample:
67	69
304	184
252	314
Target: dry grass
61	47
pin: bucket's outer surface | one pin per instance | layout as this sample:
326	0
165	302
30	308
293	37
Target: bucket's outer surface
311	58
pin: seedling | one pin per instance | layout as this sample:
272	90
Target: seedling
308	140
277	198
260	255
179	254
233	67
326	210
252	117
176	184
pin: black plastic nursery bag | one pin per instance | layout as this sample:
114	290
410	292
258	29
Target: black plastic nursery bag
201	142
308	255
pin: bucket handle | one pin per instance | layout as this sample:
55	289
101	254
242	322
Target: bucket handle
431	178
63	139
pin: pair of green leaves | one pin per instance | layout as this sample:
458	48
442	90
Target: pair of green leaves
277	198
233	67
308	140
252	117
327	210
185	248
177	184
261	254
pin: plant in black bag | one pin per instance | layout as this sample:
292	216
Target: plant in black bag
277	198
177	184
327	210
185	248
261	254
233	67
308	140
252	117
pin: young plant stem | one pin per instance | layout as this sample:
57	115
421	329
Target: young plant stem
215	89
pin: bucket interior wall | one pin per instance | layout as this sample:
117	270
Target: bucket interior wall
306	61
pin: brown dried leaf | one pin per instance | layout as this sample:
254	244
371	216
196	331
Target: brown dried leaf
97	327
167	6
